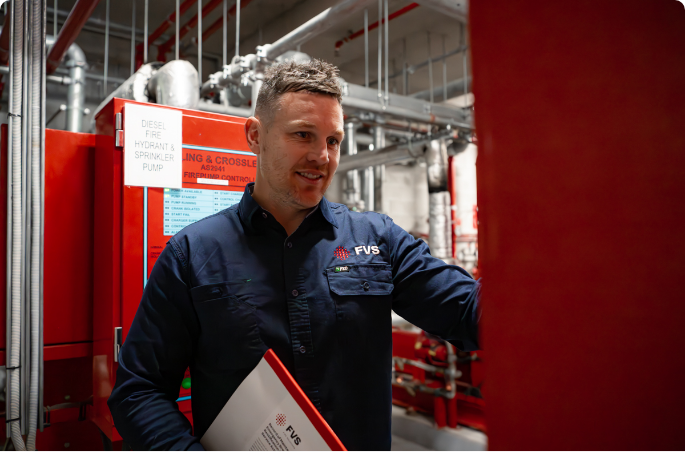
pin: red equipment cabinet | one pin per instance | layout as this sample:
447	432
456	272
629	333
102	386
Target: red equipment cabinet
67	288
133	224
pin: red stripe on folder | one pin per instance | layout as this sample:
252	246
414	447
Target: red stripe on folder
303	401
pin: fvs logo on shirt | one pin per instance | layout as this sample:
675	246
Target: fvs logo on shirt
367	249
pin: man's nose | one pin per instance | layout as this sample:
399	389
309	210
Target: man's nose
319	153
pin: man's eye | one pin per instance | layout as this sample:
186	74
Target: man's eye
332	141
302	134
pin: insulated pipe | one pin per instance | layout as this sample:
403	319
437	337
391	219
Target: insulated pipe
37	46
76	94
175	84
351	177
394	153
439	209
14	189
378	170
70	30
427	118
456	9
315	26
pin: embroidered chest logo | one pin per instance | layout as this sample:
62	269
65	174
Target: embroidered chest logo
341	253
367	250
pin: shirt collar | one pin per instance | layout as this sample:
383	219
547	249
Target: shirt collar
248	208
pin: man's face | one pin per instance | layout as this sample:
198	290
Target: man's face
299	148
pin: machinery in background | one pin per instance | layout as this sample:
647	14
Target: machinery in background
432	377
101	241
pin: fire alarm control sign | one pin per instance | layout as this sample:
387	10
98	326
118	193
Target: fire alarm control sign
152	146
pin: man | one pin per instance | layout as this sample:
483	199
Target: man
288	270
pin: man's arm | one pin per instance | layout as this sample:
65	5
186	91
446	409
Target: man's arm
438	298
152	363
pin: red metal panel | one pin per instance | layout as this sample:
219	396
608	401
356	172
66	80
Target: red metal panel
68	255
119	233
581	182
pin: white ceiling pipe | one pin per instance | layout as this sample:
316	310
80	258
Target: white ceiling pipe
315	26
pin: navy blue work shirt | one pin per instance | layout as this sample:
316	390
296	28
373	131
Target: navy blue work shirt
231	286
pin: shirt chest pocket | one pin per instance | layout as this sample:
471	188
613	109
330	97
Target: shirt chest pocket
229	333
360	281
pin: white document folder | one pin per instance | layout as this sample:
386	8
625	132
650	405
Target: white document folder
269	411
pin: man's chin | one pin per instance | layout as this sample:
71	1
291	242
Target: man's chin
308	200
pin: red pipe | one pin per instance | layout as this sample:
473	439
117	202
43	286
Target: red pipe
218	24
374	25
70	30
5	40
163	49
164	26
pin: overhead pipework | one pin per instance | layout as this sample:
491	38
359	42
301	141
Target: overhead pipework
70	30
174	84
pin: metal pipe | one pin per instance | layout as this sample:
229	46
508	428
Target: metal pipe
456	10
178	28
37	43
315	26
15	244
380	52
426	118
199	41
175	84
444	72
351	193
43	97
237	28
387	24
430	70
405	79
94	24
439	209
378	170
145	27
366	48
76	93
70	30
106	68
225	40
133	36
54	19
395	153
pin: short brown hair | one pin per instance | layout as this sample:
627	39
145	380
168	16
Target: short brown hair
314	76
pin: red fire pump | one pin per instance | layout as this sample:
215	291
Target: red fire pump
433	377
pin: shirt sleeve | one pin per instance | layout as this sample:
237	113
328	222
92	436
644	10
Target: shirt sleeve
439	298
152	363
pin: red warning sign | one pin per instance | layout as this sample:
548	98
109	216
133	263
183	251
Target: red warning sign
236	168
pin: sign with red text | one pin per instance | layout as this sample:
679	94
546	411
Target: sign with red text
153	146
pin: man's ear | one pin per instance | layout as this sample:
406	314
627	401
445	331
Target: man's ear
253	129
